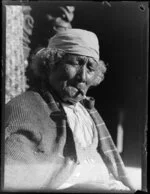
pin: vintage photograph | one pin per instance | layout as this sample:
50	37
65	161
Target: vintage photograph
74	96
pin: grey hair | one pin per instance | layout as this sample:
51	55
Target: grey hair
100	73
44	60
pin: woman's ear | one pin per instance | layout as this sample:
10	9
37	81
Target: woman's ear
98	79
99	75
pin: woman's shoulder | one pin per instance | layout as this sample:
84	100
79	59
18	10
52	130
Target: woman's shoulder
27	98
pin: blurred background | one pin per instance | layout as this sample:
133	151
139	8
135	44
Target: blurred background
122	30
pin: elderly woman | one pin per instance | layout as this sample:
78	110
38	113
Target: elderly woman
55	138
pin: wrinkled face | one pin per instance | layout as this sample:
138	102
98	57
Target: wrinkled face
73	76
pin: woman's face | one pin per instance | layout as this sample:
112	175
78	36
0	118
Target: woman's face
73	76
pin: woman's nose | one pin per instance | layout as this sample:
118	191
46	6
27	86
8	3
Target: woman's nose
82	74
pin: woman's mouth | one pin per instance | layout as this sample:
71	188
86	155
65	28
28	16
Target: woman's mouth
81	91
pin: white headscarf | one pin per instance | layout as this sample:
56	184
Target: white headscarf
76	41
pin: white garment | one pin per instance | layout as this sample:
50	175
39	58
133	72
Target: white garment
92	169
80	123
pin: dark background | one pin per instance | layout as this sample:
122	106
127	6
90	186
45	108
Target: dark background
122	31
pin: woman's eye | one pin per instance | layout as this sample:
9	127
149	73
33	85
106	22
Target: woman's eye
73	63
76	64
91	68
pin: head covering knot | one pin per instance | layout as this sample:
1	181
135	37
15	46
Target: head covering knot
76	41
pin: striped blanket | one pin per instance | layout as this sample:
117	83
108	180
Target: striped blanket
106	146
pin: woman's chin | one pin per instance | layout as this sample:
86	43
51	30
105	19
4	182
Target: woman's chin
70	100
71	95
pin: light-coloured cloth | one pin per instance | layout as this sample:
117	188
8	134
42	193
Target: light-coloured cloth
92	169
76	41
80	123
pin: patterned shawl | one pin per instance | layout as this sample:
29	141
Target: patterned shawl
106	146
